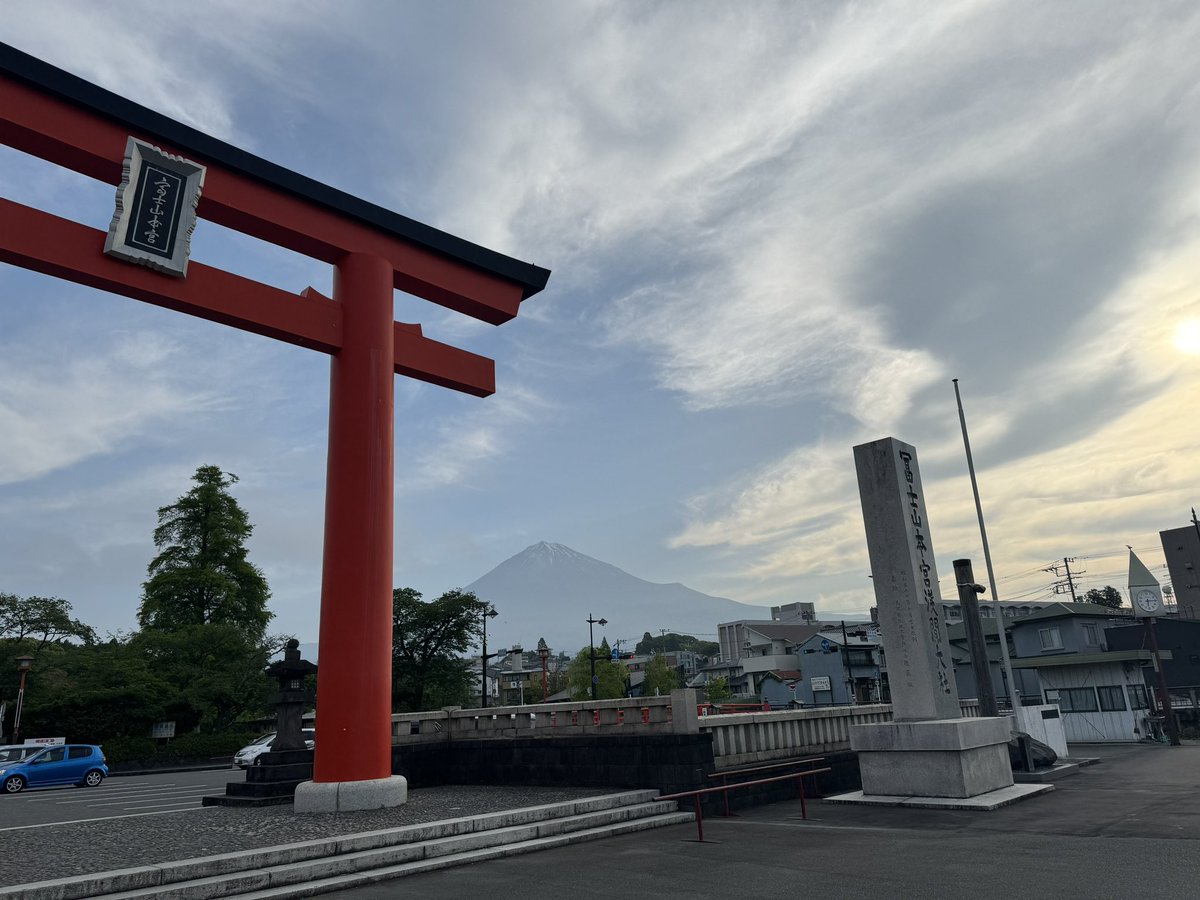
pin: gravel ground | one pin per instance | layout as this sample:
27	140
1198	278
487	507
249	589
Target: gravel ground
59	851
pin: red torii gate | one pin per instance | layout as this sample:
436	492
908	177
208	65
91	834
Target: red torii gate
52	114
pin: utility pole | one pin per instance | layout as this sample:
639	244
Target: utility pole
846	661
1005	664
1067	584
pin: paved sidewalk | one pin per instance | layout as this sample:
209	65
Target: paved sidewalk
59	851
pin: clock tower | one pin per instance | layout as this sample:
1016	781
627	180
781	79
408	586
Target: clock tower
1144	591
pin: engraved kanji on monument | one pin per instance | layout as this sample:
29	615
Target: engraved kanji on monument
920	669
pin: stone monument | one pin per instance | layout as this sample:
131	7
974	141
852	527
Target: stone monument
928	750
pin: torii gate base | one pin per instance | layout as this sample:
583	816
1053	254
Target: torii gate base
54	115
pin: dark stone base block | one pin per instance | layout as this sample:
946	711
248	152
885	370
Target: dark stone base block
272	782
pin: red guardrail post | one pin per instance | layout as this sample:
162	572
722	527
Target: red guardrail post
699	820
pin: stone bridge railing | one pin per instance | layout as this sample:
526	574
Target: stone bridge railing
675	714
738	739
745	738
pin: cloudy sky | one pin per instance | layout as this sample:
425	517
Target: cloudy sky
775	231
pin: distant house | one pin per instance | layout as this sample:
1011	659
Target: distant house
1010	609
750	648
839	672
1100	691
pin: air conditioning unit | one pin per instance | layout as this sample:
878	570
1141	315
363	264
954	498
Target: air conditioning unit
514	684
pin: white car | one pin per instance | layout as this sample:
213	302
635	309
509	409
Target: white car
11	753
249	755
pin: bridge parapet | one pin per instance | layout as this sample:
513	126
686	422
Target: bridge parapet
675	714
740	739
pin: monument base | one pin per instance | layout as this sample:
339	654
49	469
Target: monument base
937	758
344	796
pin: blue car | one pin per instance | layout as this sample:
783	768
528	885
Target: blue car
79	764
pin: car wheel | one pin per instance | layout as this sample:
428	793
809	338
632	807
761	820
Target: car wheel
93	778
14	785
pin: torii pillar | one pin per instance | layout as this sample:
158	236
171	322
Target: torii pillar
52	114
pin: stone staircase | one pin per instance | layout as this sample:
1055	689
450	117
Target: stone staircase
315	867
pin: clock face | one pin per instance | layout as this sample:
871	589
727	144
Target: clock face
1147	600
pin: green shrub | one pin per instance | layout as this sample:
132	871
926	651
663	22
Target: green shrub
189	747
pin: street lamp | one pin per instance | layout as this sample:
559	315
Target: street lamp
24	663
544	653
592	648
488	613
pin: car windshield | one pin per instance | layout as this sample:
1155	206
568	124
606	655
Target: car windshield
35	756
265	739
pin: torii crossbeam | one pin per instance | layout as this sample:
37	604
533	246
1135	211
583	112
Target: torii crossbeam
52	114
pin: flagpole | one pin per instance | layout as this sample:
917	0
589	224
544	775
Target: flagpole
1013	693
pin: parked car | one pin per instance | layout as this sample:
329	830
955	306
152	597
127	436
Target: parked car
17	752
249	755
79	764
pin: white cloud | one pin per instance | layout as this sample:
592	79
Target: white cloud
464	442
56	413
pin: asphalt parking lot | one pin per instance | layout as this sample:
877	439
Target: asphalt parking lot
118	796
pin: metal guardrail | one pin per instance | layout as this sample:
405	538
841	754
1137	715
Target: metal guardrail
724	789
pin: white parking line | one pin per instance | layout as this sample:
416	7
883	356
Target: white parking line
176	804
106	818
49	795
147	800
135	796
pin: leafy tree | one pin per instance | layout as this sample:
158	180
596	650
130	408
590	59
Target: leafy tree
45	620
428	641
201	575
717	689
611	676
213	673
672	642
92	693
1108	596
661	678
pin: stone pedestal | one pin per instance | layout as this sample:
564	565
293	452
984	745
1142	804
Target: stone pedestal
937	758
344	796
272	780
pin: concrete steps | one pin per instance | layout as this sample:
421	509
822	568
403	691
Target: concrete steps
314	867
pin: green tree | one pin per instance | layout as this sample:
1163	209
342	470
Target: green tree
661	678
43	620
717	689
213	673
91	693
201	575
672	642
1108	596
429	639
611	676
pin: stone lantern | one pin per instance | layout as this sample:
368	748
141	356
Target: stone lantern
289	701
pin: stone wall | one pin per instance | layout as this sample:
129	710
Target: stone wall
670	763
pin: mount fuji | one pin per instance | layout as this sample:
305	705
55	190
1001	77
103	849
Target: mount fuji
549	590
